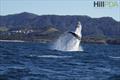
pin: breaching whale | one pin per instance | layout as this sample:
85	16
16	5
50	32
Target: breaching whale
70	40
77	32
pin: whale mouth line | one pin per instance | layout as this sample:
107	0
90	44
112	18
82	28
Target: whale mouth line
75	35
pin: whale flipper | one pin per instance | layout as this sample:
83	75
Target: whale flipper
75	35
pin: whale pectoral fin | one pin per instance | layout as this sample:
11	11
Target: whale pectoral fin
75	35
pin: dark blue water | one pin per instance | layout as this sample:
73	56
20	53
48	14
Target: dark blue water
35	61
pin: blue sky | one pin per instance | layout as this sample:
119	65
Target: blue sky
58	7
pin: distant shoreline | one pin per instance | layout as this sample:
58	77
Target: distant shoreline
84	41
12	41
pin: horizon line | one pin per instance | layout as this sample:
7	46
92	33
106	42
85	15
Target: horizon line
56	15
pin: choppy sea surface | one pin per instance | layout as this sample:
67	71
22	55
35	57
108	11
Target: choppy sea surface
36	61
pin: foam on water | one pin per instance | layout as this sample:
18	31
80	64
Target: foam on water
68	42
114	57
50	56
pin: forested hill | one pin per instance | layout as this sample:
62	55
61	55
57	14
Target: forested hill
104	26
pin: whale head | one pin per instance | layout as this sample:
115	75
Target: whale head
77	32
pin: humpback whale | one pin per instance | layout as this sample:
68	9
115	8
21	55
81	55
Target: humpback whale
77	32
70	40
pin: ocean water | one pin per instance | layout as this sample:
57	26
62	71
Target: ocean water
36	61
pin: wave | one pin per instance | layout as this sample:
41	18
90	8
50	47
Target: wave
50	56
114	57
12	41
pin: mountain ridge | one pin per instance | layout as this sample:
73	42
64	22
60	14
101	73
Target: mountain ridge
104	26
28	13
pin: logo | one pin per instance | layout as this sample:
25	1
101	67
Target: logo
109	4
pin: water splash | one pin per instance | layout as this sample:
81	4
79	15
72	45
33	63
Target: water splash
69	42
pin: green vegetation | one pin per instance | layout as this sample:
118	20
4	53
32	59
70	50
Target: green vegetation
31	27
3	29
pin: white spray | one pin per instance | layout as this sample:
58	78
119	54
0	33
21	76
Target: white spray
68	42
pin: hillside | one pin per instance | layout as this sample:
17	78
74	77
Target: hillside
104	27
